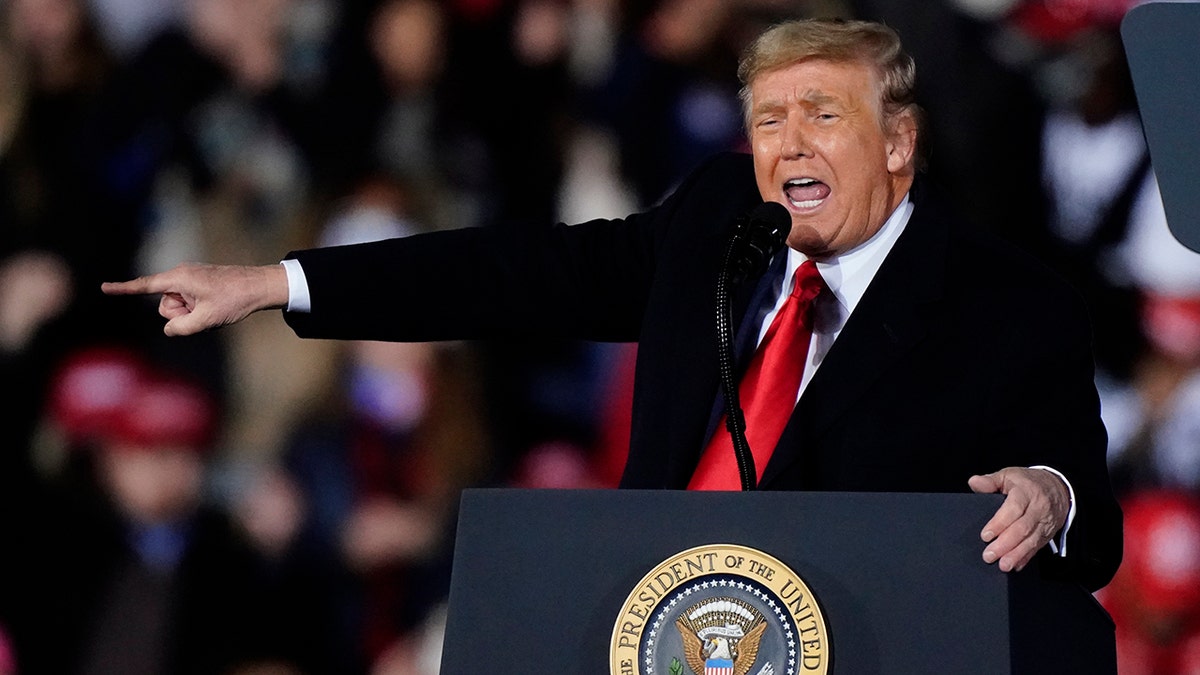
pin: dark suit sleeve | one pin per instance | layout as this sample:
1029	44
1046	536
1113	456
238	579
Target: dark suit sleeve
1048	412
585	280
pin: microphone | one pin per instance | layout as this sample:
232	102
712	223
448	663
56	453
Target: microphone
757	237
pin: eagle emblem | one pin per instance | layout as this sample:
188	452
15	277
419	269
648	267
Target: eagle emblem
721	636
720	609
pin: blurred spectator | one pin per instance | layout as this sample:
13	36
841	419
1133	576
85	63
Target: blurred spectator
672	94
374	470
137	572
127	25
508	78
1155	596
408	39
208	101
422	135
1095	167
228	102
380	473
1154	439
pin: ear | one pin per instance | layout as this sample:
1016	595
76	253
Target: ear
902	143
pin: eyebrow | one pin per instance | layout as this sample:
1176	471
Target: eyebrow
818	98
811	97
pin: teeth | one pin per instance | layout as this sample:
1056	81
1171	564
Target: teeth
801	181
808	204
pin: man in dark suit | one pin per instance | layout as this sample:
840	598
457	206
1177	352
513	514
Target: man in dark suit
940	359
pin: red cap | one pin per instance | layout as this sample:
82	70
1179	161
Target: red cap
166	410
90	387
110	394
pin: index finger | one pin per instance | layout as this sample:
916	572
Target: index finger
139	286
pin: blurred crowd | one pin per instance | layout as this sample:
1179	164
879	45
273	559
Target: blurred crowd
244	502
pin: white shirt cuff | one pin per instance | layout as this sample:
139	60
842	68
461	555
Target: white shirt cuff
298	297
1059	546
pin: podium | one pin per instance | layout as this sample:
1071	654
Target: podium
540	578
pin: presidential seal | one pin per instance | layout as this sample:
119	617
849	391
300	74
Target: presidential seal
720	609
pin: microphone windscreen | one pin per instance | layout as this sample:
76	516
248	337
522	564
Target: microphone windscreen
757	239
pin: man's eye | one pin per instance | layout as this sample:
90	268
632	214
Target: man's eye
826	116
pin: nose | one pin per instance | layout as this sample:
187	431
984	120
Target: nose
794	140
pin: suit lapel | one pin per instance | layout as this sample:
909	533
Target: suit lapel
895	313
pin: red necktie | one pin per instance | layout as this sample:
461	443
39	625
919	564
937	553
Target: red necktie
768	389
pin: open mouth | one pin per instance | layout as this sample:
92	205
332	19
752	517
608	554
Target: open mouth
805	193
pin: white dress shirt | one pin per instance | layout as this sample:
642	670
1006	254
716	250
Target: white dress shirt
847	277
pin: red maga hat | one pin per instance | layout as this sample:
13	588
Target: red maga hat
108	395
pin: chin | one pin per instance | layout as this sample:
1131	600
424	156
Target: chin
808	243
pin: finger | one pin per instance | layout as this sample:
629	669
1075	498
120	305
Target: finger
186	323
1020	555
172	305
1013	508
986	483
1018	545
119	287
1012	544
139	286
